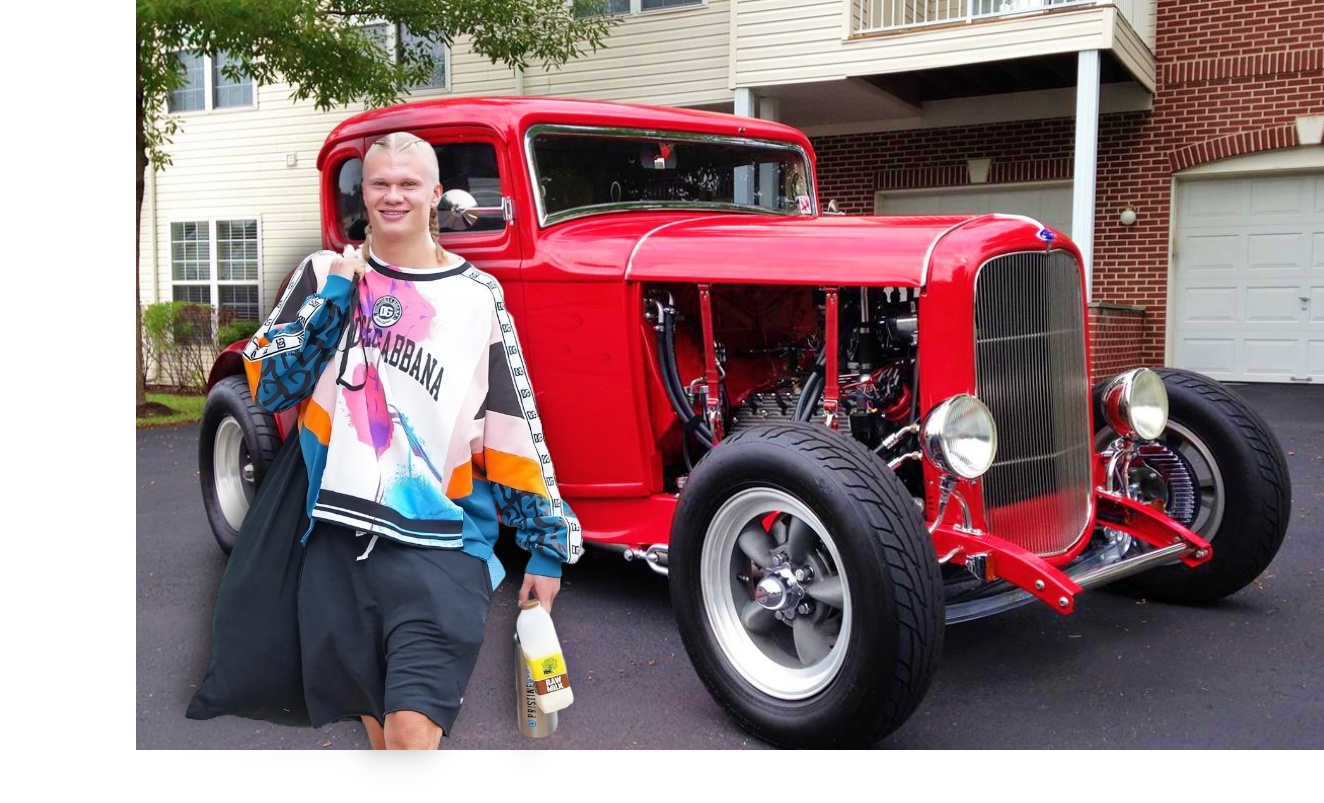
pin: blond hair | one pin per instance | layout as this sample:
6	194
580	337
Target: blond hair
400	142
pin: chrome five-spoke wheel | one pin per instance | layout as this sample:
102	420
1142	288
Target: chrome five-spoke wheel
775	594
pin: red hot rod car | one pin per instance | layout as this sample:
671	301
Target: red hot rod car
834	435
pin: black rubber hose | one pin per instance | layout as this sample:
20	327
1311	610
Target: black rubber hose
804	407
664	364
671	378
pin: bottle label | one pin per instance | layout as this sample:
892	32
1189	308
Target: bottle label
548	673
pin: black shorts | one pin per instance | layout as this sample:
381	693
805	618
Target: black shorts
396	631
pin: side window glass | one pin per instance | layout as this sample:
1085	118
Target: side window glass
349	199
472	167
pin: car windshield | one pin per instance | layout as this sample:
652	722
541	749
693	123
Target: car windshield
581	171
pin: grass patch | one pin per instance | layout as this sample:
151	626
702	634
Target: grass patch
184	410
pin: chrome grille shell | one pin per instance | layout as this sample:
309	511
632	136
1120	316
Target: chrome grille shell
1031	371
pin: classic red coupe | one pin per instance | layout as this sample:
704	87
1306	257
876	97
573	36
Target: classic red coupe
833	435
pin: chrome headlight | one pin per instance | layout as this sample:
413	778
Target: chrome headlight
1136	404
960	437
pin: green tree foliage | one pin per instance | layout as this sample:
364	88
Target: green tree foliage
319	48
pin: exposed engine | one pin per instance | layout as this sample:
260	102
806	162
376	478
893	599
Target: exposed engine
769	354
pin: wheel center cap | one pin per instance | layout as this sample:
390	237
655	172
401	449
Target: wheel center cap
778	591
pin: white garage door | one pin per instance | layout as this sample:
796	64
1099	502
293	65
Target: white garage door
1248	290
1049	204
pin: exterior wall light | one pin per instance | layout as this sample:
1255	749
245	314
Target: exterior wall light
1128	216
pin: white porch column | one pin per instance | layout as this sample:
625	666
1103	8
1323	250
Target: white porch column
769	109
744	178
1086	162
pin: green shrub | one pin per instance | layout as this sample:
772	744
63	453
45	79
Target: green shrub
237	329
179	338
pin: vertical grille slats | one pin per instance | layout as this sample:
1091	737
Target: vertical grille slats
1030	370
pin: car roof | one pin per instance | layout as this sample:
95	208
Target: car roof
513	115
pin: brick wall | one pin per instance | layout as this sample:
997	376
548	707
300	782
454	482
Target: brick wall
1116	336
1232	79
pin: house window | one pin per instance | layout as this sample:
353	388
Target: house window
396	39
206	87
215	262
618	7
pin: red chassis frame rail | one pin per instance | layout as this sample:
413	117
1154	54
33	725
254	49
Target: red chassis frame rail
1003	560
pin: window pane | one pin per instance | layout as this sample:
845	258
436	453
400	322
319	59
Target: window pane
583	9
190	251
381	35
198	294
648	5
239	302
472	167
236	250
438	50
191	94
349	199
227	92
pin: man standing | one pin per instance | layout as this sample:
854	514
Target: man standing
419	427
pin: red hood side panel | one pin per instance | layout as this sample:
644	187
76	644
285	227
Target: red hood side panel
813	251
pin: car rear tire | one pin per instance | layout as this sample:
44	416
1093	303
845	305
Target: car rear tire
1242	490
236	444
853	667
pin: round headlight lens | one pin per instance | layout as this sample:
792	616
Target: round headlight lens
1136	404
1149	404
960	437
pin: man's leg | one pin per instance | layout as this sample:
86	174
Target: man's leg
375	735
410	730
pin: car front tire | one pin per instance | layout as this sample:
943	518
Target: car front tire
817	510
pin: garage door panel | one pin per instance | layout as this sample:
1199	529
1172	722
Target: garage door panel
1278	251
1205	206
1315	358
1273	304
1215	356
1211	253
1209	305
1271	357
1279	198
1315	306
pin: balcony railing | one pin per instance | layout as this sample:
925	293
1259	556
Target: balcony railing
875	16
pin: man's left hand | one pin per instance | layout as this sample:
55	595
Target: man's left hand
544	589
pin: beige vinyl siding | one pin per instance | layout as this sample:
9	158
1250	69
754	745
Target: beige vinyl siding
670	57
1129	47
795	41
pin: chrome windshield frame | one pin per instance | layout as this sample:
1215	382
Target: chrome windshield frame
616	132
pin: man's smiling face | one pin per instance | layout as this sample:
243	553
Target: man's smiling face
399	191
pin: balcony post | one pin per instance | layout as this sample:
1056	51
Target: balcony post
745	106
769	109
1086	161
